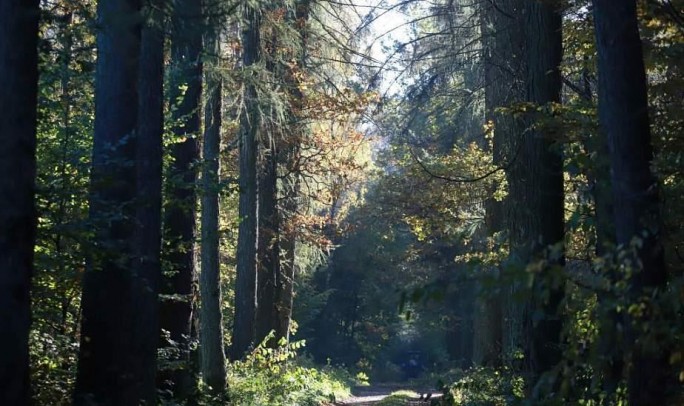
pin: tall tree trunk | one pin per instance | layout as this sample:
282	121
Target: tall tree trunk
504	76
284	299
19	82
609	353
268	254
245	285
179	216
268	247
212	355
539	186
623	115
487	345
149	150
286	275
108	368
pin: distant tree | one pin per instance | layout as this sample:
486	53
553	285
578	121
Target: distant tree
185	92
268	246
19	84
623	116
245	285
288	158
212	355
505	66
501	47
537	185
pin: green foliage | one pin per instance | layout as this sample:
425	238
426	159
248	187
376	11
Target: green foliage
274	376
485	387
63	151
53	367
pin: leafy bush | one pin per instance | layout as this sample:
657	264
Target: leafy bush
485	387
53	368
275	376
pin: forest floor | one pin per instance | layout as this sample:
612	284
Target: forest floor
371	395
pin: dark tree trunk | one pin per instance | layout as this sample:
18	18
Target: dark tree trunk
268	247
179	216
505	86
108	367
289	155
212	355
245	285
149	150
623	115
539	187
268	254
19	82
609	353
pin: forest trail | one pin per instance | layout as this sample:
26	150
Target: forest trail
372	395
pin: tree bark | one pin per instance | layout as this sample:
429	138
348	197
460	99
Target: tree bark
149	153
108	370
177	304
505	87
212	355
19	82
268	254
245	285
623	115
539	187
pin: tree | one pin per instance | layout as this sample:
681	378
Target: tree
288	208
185	91
268	245
245	285
109	371
623	116
212	355
19	81
505	64
538	185
148	217
501	60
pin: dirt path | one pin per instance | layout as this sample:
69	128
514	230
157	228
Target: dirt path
371	395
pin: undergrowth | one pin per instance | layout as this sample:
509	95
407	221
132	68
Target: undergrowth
277	376
484	387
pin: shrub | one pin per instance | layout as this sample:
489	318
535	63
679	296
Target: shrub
275	376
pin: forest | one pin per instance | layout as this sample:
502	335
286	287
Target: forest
341	202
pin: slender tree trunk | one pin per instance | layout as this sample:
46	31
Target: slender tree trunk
149	150
286	275
609	353
18	97
505	86
108	367
268	254
540	186
212	357
284	299
245	285
487	345
623	115
177	304
268	246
